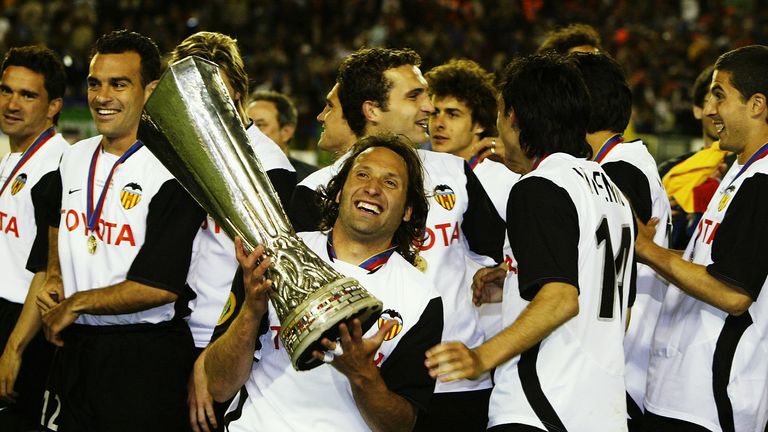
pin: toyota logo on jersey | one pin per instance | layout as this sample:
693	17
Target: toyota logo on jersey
130	196
391	314
18	183
445	196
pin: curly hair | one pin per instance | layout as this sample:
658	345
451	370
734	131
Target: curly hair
551	105
222	50
43	61
472	85
563	39
121	41
608	90
361	78
410	234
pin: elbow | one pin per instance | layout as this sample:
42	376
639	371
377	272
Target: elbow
738	304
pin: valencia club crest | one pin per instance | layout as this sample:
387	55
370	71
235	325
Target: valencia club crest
130	195
445	196
18	183
391	314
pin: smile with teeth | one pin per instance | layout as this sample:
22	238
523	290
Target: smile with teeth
368	207
105	111
719	126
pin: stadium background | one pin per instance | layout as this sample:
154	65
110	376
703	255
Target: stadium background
295	46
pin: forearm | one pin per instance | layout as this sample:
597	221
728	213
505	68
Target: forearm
382	409
229	359
30	321
696	281
123	298
555	304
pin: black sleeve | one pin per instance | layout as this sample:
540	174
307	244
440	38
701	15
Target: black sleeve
634	184
543	229
173	220
404	371
739	252
284	182
46	199
304	209
232	308
482	225
633	269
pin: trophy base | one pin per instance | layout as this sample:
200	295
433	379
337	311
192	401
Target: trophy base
319	315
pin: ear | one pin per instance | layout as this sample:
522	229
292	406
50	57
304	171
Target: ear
477	129
757	104
371	111
287	131
698	112
54	107
407	214
149	89
338	198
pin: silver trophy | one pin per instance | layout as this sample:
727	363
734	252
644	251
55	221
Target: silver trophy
192	126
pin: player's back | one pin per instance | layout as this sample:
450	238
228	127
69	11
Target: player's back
569	216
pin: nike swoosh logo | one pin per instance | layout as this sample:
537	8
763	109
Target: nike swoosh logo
71	191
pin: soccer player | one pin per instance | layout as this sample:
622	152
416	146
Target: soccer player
276	116
632	168
124	242
31	91
559	359
382	90
377	210
463	123
708	368
213	261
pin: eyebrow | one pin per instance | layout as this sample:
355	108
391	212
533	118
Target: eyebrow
416	92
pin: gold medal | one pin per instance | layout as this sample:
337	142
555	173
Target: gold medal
91	244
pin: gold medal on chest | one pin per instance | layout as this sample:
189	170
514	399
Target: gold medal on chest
92	244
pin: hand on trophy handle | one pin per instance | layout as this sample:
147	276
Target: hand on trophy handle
257	287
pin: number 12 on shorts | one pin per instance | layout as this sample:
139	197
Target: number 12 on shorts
50	425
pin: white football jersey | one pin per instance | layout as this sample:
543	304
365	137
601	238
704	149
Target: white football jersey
708	367
650	286
569	223
213	253
281	399
17	214
122	224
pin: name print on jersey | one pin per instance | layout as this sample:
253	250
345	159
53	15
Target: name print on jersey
707	229
105	230
599	185
430	237
8	224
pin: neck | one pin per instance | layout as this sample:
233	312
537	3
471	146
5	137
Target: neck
353	250
118	146
469	151
597	139
21	144
750	150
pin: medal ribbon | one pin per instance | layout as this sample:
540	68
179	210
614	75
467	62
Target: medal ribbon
473	161
94	213
371	264
608	146
759	154
37	145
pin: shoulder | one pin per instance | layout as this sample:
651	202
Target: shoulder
269	154
433	159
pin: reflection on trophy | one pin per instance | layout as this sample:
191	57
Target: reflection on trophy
192	126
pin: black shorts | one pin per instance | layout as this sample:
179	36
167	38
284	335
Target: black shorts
120	378
24	414
657	423
459	411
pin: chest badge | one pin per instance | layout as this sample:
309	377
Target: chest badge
726	197
130	195
18	183
445	196
387	315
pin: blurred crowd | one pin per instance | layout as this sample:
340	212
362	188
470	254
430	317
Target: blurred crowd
294	46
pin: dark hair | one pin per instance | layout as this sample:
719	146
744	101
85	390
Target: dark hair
701	86
220	49
361	78
122	41
608	90
565	38
41	60
472	85
286	110
551	105
409	235
748	67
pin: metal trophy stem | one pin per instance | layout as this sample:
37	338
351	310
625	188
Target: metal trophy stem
192	126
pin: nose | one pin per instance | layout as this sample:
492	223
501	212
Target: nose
427	105
101	94
436	121
373	186
710	107
321	117
13	102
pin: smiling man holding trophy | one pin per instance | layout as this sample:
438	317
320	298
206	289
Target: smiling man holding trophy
377	210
